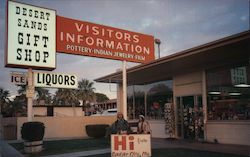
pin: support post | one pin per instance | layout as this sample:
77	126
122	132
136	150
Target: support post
204	103
124	90
30	92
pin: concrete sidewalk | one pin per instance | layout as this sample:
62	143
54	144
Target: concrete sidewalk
84	153
7	151
166	143
212	147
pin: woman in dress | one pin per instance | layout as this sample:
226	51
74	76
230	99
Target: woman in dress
143	126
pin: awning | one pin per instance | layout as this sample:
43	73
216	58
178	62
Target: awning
233	50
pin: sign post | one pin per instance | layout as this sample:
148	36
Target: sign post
34	34
30	92
31	42
89	39
124	88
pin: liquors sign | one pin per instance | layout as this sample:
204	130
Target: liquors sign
31	37
55	80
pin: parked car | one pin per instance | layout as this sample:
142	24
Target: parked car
109	112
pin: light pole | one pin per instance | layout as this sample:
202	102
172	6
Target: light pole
158	42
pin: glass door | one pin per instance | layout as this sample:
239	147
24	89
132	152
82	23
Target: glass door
190	117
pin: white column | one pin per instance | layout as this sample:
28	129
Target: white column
204	102
175	109
30	92
124	89
119	97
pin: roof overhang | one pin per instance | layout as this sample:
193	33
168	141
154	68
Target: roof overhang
224	52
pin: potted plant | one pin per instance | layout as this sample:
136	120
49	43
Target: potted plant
32	134
97	130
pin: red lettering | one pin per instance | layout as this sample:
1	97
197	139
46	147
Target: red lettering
131	144
117	143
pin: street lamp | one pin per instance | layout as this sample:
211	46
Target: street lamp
158	42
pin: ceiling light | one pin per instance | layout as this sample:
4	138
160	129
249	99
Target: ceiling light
234	94
242	85
215	93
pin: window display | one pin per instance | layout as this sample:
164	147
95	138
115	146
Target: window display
169	119
149	99
229	93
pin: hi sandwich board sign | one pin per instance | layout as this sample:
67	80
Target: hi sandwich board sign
132	145
31	37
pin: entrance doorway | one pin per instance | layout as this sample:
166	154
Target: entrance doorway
50	111
190	117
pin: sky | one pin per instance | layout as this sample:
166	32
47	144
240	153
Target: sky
179	24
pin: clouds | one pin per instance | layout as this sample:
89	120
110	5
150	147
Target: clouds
179	24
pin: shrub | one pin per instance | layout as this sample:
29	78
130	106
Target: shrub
32	131
96	131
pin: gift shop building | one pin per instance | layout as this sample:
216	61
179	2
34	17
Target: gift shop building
202	93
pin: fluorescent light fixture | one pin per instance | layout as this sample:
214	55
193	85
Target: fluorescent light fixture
242	85
215	93
235	94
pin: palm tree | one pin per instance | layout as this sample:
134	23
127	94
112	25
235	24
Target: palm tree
17	107
21	89
86	92
65	97
43	95
4	100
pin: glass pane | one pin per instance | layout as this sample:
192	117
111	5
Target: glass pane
188	117
158	94
199	121
179	117
149	100
229	93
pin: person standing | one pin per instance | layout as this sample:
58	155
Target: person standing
120	126
143	126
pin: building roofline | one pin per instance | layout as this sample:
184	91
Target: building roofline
195	50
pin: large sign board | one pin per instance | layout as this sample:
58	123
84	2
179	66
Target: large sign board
133	145
55	80
88	39
31	37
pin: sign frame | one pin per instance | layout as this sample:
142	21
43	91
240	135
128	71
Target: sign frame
131	145
26	66
96	40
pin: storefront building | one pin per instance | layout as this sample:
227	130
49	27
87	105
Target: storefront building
201	93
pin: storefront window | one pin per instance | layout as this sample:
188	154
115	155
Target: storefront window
229	93
136	101
149	99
